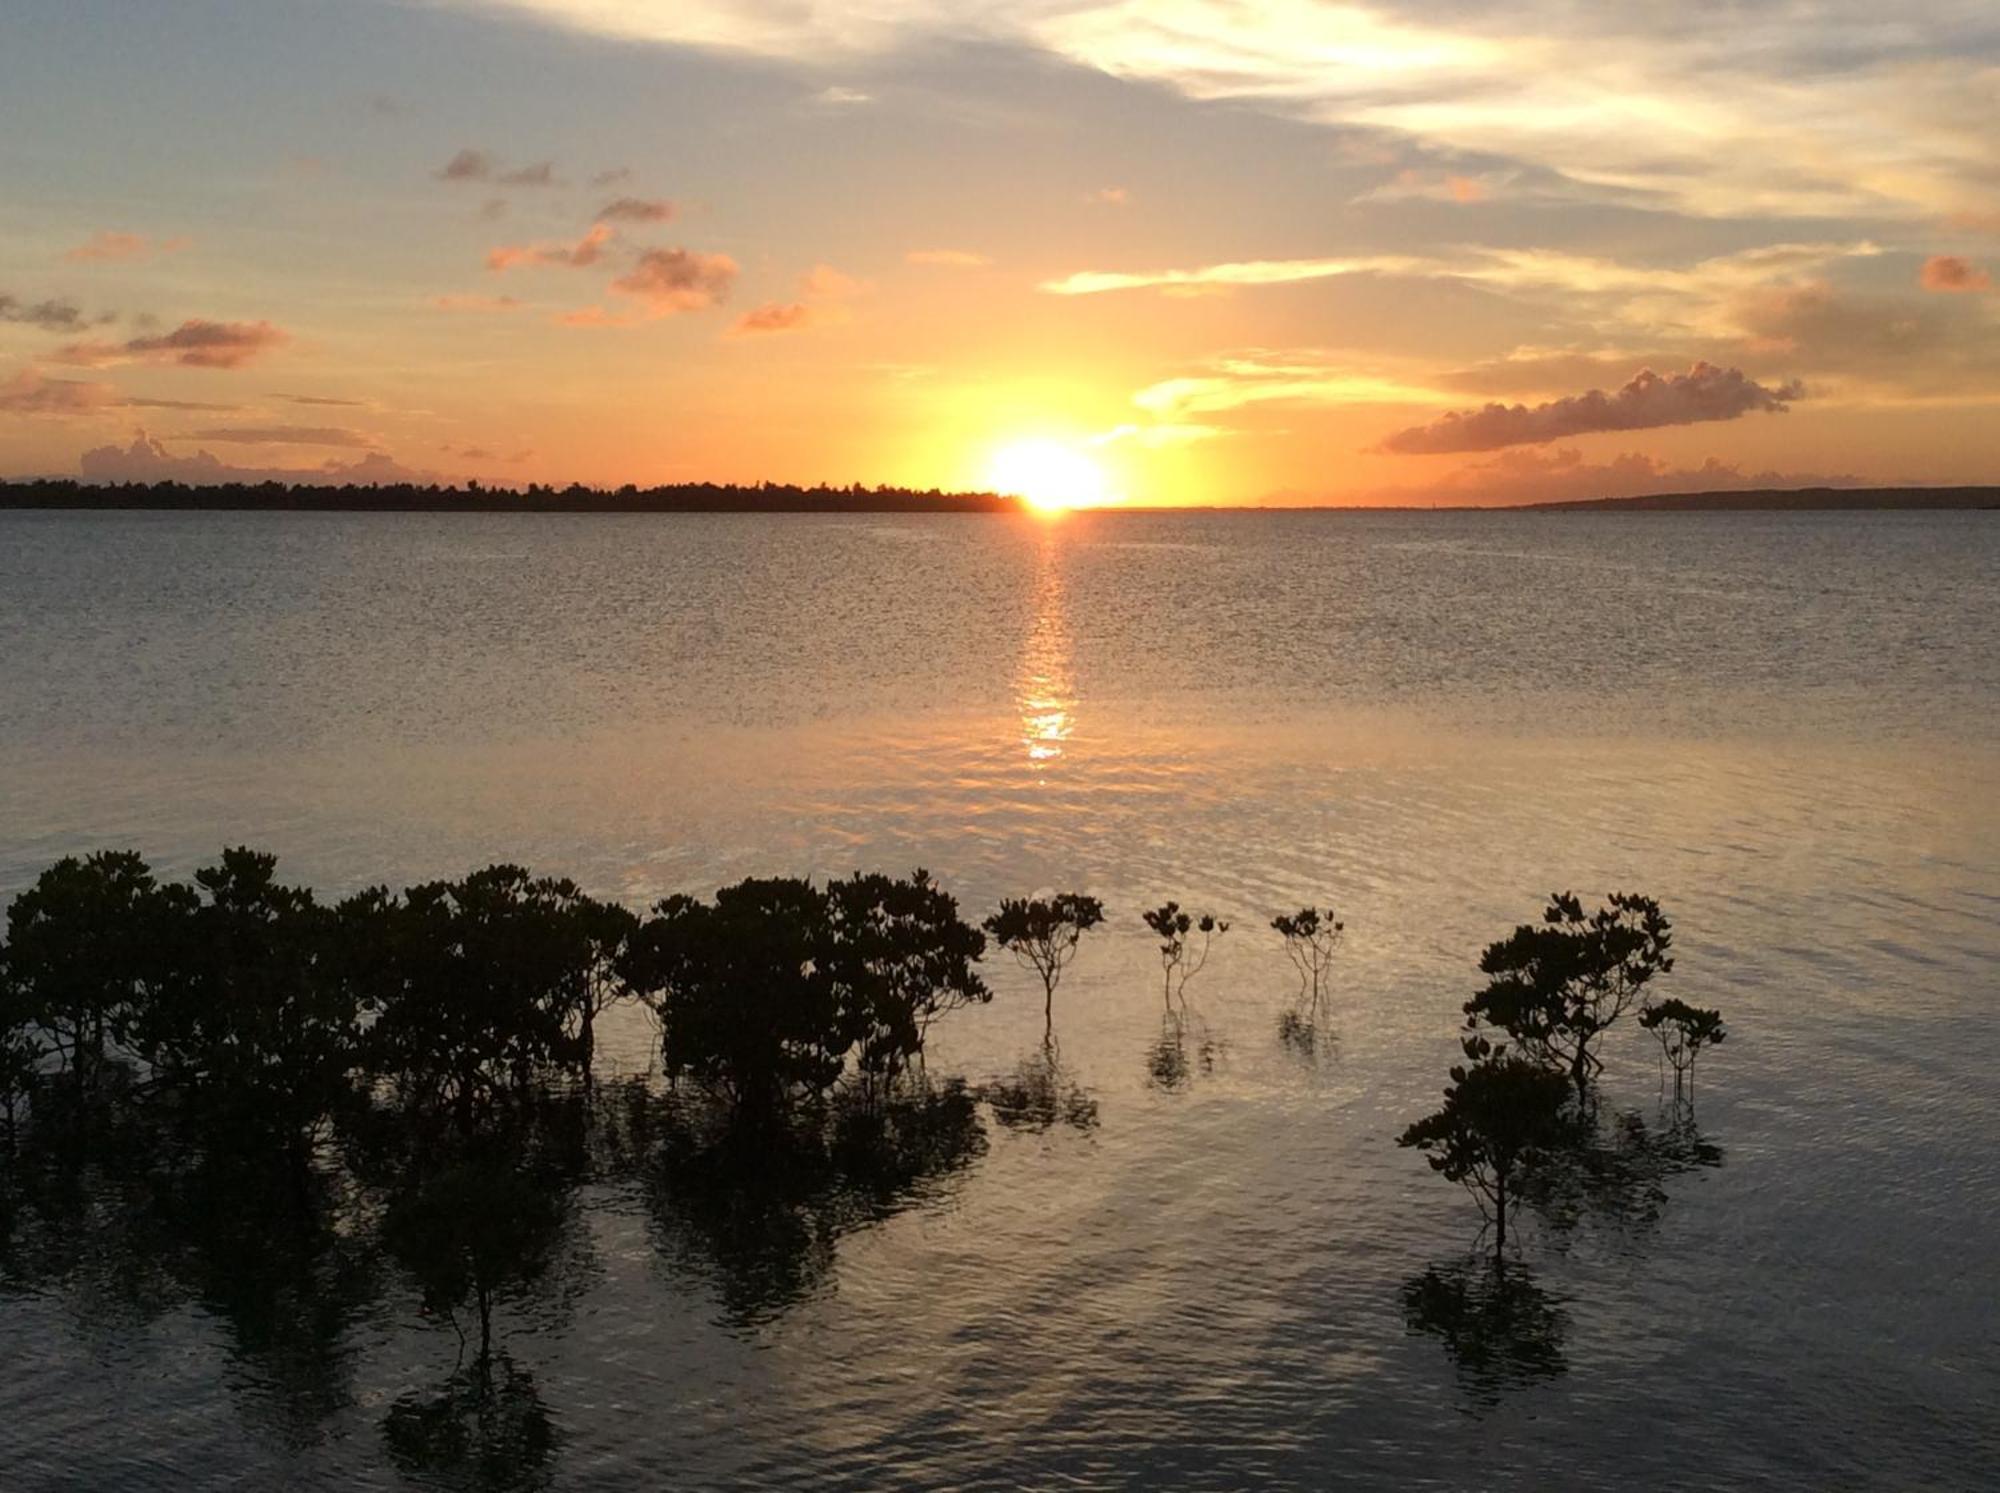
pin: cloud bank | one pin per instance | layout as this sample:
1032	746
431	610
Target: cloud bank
147	460
1705	392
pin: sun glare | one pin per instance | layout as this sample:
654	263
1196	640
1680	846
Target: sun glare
1048	475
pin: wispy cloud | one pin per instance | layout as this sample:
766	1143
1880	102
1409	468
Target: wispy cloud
49	316
1648	401
953	259
278	435
472	165
823	296
28	393
637	210
475	303
106	246
192	344
585	252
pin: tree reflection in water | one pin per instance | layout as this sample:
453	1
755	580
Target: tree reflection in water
756	1207
1185	1048
1612	1170
484	1430
1041	1094
1501	1329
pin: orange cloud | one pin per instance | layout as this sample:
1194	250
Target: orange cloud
585	252
1947	272
675	280
1648	401
105	245
28	393
774	317
192	344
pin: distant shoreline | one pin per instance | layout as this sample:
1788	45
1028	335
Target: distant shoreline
68	495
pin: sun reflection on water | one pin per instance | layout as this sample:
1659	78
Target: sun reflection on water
1046	683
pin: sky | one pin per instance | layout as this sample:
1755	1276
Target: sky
1167	251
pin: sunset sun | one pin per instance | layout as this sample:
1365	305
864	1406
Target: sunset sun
1049	475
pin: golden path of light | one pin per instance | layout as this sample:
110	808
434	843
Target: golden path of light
1046	685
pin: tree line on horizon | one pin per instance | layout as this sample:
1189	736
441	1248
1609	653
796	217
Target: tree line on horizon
476	497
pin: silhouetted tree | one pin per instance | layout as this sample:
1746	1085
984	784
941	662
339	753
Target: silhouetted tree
1556	987
1311	935
474	986
253	1026
1184	944
748	1008
599	933
900	957
1683	1031
87	946
1042	934
1502	1112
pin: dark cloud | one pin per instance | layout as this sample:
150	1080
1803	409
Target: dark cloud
50	316
1948	272
1705	392
192	344
612	177
467	165
147	460
279	435
320	399
672	280
541	174
638	210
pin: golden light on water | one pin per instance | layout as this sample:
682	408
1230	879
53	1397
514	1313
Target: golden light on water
1051	476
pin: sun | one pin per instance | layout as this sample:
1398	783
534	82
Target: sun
1048	474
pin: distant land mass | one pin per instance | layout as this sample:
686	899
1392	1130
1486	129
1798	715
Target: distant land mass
773	497
687	497
1791	499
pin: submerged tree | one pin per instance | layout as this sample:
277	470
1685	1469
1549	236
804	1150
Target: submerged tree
1185	941
1500	1328
1557	986
1311	935
900	957
253	1029
1683	1031
1502	1113
1042	934
88	946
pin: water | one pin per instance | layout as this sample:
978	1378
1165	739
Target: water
1781	726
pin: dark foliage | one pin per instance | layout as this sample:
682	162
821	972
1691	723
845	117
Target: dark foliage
1185	940
1042	934
1557	986
1311	936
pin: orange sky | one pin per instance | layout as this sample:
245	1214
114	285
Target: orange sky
1257	251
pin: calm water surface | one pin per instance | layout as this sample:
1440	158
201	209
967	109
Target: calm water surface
1194	1276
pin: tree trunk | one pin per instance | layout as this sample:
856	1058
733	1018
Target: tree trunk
1500	1216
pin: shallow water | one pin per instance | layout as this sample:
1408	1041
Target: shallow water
1781	726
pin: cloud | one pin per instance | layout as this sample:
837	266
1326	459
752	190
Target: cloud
637	210
837	97
585	252
50	316
774	317
1648	401
1947	272
1451	186
1111	196
954	259
147	460
541	174
319	400
279	435
1303	377
480	165
669	281
1511	478
467	165
28	393
1239	272
611	177
475	303
105	246
193	344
